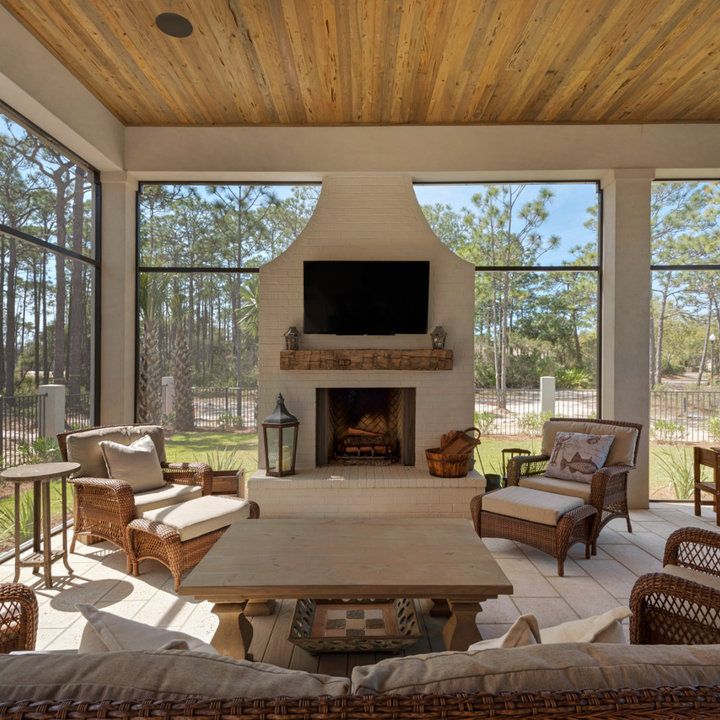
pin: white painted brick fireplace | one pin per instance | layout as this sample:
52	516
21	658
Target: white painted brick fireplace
368	217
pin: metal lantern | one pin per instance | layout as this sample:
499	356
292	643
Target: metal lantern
438	336
280	431
292	339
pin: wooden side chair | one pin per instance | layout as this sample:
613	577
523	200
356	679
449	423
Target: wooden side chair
18	618
681	604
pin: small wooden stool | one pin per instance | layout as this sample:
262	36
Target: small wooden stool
706	457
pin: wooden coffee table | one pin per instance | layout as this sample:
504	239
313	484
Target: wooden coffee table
346	558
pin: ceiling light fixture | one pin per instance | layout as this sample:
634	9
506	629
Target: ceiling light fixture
174	25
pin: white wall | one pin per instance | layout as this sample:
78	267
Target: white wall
373	217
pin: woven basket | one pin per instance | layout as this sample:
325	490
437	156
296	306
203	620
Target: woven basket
453	465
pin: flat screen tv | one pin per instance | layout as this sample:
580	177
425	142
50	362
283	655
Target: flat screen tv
366	298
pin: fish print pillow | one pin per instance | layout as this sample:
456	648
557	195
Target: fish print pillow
577	456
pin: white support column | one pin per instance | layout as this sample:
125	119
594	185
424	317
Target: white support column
547	394
625	390
54	422
117	391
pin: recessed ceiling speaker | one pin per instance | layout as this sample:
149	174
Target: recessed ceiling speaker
174	25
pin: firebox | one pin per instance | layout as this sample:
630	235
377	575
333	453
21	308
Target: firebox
365	426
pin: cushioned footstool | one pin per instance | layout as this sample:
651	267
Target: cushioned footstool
551	523
179	536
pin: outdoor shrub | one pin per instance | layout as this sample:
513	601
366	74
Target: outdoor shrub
677	463
40	450
714	428
668	430
573	379
484	421
226	459
532	423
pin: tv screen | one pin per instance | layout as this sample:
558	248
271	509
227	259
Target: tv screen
366	298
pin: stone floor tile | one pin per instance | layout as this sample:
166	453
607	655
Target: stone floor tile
548	611
492	631
584	595
547	564
526	578
611	575
634	558
501	548
608	536
500	610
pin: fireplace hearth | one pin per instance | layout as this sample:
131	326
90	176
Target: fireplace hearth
365	426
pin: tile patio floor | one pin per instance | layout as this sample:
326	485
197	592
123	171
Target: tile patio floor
589	587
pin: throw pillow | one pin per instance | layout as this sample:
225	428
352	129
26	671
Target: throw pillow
604	628
137	463
524	631
577	456
106	632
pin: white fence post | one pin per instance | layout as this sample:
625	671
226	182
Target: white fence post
54	410
547	394
167	397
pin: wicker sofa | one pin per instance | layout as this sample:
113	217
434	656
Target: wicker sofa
607	492
104	507
177	684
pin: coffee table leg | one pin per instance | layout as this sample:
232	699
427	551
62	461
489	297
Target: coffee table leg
234	633
257	608
460	630
439	607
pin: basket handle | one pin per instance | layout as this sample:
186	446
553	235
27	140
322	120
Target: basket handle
473	429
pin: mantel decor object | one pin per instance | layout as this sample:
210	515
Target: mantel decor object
280	430
292	338
438	336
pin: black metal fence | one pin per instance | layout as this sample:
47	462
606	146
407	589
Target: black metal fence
225	408
22	419
675	415
78	412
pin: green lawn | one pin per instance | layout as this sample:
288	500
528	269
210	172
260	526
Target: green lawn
221	450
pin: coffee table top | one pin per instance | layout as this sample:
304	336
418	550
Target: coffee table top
349	557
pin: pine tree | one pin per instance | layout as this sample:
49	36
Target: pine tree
184	415
150	369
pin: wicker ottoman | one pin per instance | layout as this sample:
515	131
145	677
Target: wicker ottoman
551	523
179	536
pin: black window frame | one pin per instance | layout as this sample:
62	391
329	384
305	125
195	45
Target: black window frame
555	268
94	260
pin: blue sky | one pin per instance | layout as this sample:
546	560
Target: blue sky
568	210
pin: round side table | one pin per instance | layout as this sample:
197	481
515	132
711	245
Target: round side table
40	476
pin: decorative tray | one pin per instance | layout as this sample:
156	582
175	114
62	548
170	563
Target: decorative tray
322	626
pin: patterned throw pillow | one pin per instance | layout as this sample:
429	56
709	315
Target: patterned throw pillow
577	456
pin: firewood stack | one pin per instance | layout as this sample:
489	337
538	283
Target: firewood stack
454	456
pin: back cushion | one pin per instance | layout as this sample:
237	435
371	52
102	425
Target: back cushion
622	451
556	668
84	447
136	463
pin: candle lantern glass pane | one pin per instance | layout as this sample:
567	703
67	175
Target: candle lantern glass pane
273	445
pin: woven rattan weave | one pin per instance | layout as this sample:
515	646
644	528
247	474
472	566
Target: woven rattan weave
18	618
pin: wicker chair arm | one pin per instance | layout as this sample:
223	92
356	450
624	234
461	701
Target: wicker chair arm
189	474
694	548
670	610
523	465
106	496
18	617
607	481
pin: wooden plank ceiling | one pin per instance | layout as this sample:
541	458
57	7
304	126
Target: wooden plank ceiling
319	62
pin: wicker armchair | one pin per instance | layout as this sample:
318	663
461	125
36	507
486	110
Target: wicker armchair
104	507
680	606
608	488
18	618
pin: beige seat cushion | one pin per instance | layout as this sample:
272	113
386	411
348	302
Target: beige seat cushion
604	628
199	517
84	447
559	487
526	504
555	668
702	578
164	497
136	463
106	632
622	451
161	675
524	631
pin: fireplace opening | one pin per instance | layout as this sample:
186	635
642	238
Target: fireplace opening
365	426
